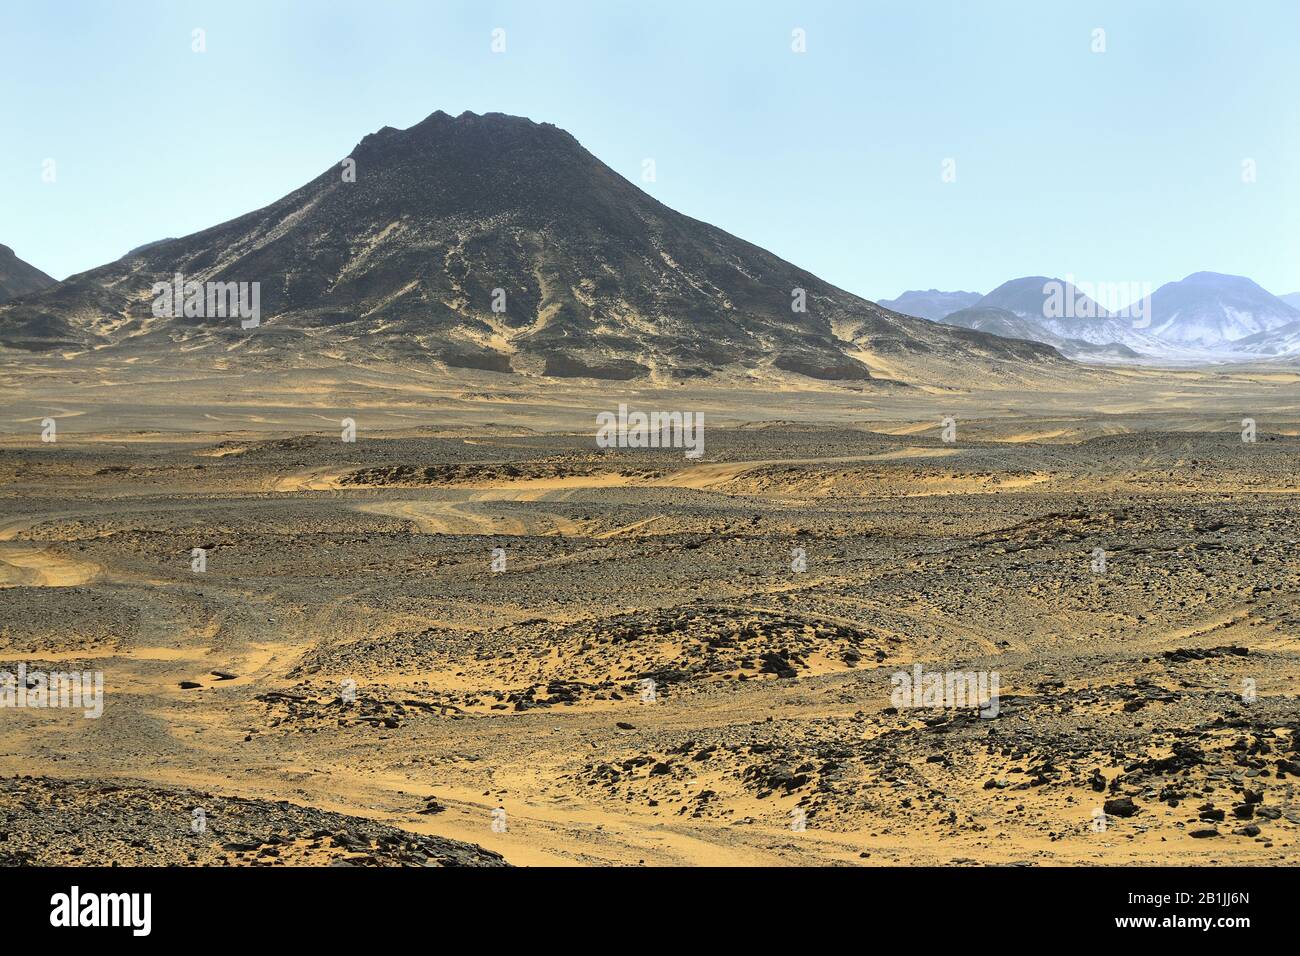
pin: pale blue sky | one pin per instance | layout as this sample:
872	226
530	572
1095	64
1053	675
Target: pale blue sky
1115	167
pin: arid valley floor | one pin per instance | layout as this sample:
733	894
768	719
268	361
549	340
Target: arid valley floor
368	565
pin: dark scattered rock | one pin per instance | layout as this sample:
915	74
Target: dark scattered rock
1120	807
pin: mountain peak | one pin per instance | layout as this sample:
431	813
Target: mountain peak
1031	297
1221	280
18	278
441	123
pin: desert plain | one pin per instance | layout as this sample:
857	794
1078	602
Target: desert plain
473	636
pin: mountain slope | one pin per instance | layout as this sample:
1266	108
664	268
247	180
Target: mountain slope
597	278
996	322
1010	325
1292	299
1212	310
931	304
17	278
1283	340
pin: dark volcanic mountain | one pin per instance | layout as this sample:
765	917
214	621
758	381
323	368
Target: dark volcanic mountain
17	278
931	304
597	278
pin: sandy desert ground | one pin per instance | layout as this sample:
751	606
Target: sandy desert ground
351	680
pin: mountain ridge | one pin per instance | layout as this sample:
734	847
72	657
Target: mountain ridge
1206	316
930	304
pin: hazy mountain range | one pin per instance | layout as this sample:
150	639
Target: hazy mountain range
1207	316
931	304
496	243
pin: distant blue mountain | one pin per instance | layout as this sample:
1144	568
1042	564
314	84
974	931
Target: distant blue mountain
931	304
